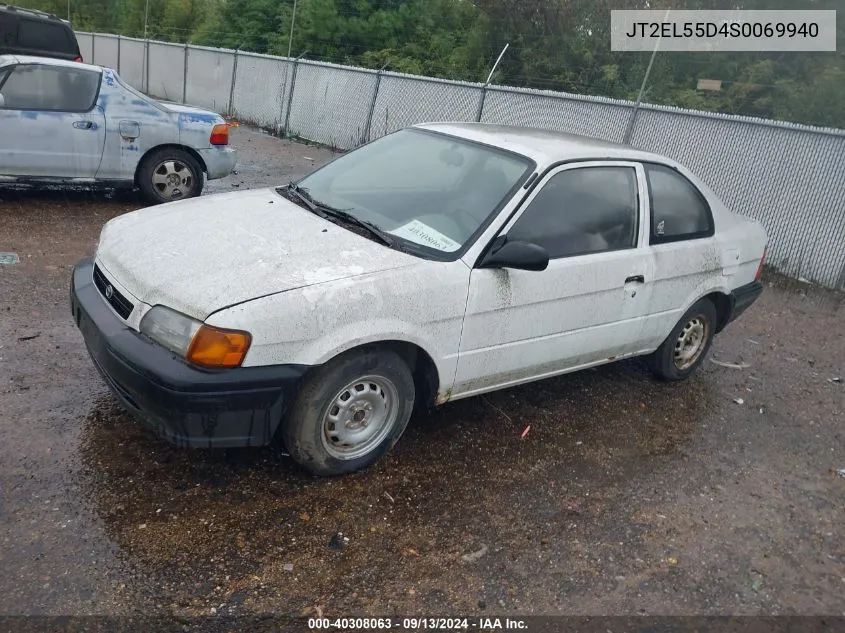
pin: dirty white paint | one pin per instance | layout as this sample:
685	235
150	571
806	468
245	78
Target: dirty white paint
307	289
105	144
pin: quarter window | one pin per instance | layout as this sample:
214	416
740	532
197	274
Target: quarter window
678	210
36	87
582	210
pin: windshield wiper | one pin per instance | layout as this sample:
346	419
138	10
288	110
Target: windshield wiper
325	211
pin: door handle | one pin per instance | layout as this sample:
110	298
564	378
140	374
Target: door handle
635	278
83	125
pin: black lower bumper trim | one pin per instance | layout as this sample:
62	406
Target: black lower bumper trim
185	405
743	297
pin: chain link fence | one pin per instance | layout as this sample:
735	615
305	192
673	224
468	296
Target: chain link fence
789	177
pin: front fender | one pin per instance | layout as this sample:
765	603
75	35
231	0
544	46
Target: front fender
422	304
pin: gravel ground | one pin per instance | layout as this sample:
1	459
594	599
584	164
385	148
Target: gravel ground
627	496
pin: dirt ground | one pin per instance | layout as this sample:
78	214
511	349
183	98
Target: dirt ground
627	496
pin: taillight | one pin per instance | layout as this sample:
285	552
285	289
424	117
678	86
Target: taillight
220	134
78	59
760	267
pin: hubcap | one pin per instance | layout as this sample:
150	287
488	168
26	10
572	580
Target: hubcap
173	179
359	417
690	343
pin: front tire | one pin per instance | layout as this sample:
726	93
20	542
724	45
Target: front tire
349	412
170	174
683	351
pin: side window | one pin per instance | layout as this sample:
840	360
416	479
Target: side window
35	87
7	30
582	210
678	209
43	36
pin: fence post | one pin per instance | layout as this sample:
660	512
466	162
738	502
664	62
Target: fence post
185	74
366	137
147	66
118	54
629	132
481	103
231	110
290	96
487	83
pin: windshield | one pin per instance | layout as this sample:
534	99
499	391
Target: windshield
432	192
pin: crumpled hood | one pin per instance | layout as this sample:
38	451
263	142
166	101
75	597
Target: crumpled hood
203	254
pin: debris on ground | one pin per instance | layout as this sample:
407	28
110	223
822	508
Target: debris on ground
739	400
29	337
672	560
525	432
573	506
411	551
288	567
387	494
756	585
506	416
474	556
722	363
835	379
9	258
337	541
840	471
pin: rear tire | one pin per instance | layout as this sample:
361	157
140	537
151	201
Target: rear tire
349	412
683	351
170	174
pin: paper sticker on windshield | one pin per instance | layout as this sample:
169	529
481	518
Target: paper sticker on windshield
419	233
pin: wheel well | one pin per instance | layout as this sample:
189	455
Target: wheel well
722	302
184	148
423	369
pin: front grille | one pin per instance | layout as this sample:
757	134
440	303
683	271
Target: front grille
121	304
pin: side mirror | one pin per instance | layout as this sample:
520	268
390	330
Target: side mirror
519	255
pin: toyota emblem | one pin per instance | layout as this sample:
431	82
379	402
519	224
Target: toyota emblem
109	291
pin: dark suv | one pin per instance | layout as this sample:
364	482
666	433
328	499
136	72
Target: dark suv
31	32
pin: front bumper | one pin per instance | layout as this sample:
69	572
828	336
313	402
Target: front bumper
185	405
219	161
743	297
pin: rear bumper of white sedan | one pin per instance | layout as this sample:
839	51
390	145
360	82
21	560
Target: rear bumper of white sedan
219	161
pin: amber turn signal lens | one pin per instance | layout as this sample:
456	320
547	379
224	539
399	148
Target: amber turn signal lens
220	134
218	349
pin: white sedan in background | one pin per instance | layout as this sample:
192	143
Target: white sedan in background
436	263
63	122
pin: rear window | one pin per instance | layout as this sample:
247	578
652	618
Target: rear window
45	36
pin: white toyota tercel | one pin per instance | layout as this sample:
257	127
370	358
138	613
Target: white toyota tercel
439	262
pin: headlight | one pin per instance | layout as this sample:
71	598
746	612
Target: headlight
197	342
169	328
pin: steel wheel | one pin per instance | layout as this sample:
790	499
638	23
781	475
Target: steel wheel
691	342
173	179
360	416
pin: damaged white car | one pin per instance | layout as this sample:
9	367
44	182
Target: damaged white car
66	123
439	262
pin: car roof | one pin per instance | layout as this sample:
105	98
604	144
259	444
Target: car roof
31	13
47	61
543	146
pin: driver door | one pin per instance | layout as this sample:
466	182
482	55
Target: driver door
588	306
